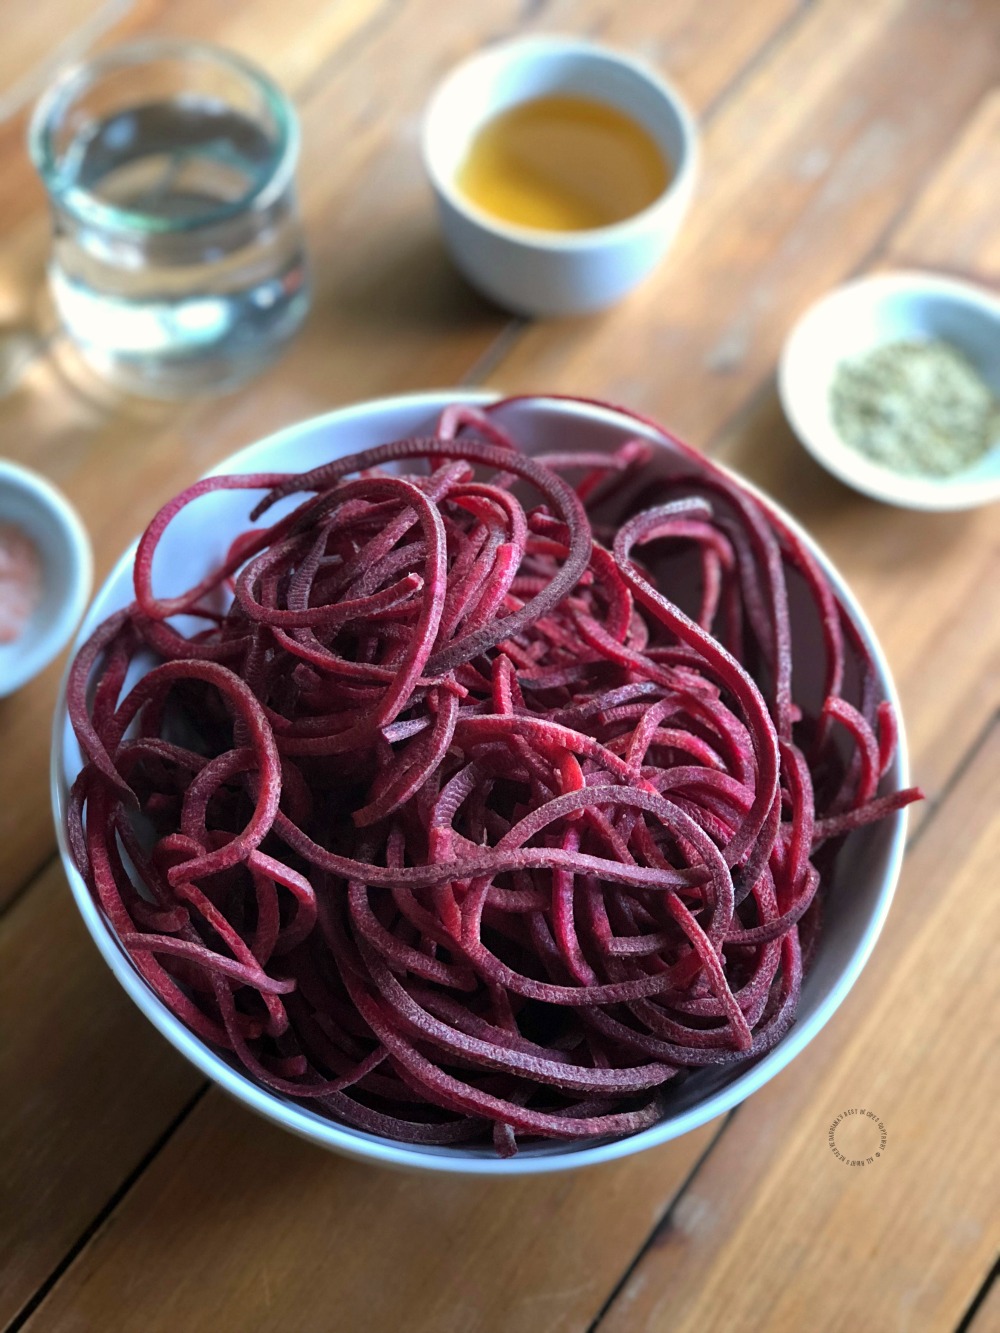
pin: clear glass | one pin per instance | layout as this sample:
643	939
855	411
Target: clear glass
178	262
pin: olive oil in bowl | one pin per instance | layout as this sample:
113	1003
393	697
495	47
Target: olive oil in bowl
563	164
562	202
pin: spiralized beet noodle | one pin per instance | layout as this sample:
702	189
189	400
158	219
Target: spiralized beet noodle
453	824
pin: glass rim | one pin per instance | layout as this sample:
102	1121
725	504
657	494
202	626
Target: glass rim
77	77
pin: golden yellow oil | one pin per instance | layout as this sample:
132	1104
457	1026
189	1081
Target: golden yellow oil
563	164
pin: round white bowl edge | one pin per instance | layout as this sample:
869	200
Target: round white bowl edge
848	321
362	1146
530	270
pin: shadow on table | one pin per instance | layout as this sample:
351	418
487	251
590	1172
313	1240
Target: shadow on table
411	280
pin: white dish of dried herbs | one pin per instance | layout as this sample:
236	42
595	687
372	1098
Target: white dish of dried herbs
893	384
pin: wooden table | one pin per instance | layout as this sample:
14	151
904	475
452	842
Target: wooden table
838	137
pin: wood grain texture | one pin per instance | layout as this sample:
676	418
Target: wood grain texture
835	137
389	311
803	173
775	1232
40	38
239	1226
929	583
955	224
83	1078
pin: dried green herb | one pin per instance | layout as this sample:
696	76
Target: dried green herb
917	407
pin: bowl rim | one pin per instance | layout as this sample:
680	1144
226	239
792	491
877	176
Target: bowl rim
81	75
677	188
355	1143
79	573
938	494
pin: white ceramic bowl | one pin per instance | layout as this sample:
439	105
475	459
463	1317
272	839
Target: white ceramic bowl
858	899
537	272
33	504
863	315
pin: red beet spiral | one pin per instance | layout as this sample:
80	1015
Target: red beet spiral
452	821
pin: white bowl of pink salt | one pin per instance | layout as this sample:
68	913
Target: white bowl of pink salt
892	383
46	571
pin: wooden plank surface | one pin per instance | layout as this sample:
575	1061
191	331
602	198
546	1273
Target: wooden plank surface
239	1226
777	1233
83	1079
954	227
833	141
803	173
39	39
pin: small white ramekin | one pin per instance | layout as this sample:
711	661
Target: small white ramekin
526	269
43	513
860	316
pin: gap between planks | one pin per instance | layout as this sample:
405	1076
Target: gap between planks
81	1242
968	1321
663	1221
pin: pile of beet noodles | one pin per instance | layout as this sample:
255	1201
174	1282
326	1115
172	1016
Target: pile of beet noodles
445	817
